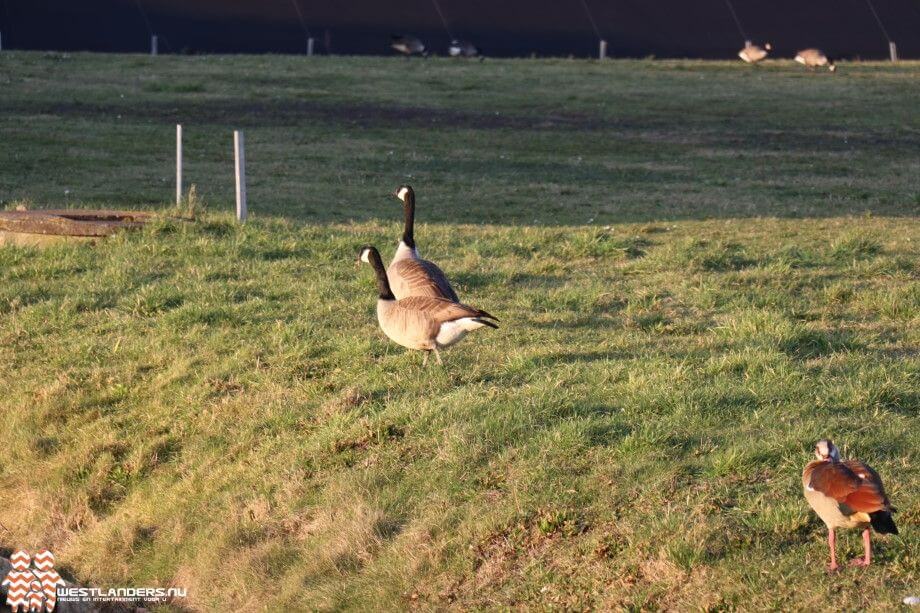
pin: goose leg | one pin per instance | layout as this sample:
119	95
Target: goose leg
438	356
832	543
425	359
867	545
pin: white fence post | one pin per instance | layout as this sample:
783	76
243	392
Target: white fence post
178	164
240	156
602	51
893	50
310	46
154	46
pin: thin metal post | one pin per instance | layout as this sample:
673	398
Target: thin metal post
602	50
1	41
310	46
240	155
178	164
893	50
154	44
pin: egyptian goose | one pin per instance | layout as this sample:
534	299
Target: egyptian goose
813	58
409	274
846	494
425	323
754	53
407	45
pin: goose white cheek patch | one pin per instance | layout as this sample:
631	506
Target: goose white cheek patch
402	193
366	256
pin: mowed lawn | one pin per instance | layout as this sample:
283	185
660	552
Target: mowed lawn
700	268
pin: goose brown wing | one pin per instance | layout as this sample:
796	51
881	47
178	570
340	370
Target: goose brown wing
421	278
832	479
439	310
869	496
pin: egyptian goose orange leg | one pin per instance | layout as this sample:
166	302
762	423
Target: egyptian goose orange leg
867	546
832	543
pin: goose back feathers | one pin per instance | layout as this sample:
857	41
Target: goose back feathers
813	58
754	53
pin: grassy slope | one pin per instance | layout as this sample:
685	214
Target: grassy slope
701	269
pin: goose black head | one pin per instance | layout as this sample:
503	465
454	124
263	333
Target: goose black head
405	193
369	255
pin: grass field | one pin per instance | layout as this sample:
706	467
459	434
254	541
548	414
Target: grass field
701	268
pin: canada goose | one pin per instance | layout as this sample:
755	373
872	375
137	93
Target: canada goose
407	45
462	48
409	274
754	53
846	494
813	58
421	322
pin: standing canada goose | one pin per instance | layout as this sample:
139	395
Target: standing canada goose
421	322
409	274
846	494
754	53
462	48
813	58
407	45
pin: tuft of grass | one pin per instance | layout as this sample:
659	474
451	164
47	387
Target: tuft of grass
855	246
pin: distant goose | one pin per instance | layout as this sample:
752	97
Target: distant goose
421	322
753	53
462	48
409	274
407	45
846	494
813	58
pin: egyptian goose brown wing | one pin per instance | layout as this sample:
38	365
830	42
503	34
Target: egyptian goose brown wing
833	479
870	496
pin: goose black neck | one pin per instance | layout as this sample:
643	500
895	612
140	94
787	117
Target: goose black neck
409	212
383	284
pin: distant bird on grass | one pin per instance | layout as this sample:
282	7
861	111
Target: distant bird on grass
422	322
754	53
408	45
846	494
462	48
815	58
409	274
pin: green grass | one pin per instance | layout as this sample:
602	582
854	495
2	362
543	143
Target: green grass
701	268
